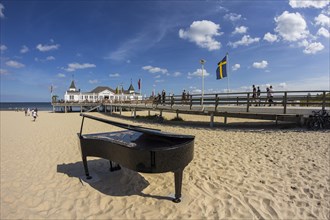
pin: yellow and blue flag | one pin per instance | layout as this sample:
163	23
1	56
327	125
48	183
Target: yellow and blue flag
222	68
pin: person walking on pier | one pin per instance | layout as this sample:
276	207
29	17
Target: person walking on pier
163	96
271	95
183	96
258	95
254	95
159	98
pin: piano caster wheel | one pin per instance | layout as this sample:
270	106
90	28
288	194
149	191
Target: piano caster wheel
176	200
89	177
115	168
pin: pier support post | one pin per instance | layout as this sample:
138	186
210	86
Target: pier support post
177	114
212	120
148	112
225	120
110	109
134	112
120	110
161	113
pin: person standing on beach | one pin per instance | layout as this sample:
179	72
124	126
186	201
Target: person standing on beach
34	115
25	111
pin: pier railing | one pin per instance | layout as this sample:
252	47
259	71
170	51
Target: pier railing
311	98
314	98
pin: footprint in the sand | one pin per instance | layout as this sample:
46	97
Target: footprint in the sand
267	203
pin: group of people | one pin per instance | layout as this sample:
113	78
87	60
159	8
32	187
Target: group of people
33	112
161	97
256	95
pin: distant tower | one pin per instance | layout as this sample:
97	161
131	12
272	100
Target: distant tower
72	86
131	88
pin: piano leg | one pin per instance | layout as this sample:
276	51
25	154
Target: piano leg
86	168
178	185
114	166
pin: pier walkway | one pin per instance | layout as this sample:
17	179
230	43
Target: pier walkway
293	106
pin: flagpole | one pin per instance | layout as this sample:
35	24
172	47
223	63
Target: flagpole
202	62
51	93
227	73
140	88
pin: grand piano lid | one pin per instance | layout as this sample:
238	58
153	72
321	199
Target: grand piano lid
145	130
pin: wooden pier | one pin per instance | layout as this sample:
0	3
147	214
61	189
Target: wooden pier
293	106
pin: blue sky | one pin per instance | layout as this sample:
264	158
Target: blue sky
107	43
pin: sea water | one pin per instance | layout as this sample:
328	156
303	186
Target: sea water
19	106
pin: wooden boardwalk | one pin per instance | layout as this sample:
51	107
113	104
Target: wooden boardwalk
293	106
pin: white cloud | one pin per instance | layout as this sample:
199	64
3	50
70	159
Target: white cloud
44	48
322	20
202	33
157	77
114	75
61	75
270	37
282	85
198	73
2	8
74	66
3	47
326	11
176	74
260	65
3	72
159	80
24	49
313	48
196	91
233	17
308	3
50	58
246	40
93	81
291	26
236	67
152	69
14	64
323	32
240	30
316	83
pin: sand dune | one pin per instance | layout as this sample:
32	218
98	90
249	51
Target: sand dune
251	170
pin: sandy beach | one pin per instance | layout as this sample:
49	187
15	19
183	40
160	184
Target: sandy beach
244	170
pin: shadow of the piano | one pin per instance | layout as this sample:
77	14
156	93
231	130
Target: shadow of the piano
122	182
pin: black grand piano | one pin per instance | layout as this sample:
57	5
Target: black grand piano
138	148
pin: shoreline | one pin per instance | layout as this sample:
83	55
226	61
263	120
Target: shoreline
237	172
